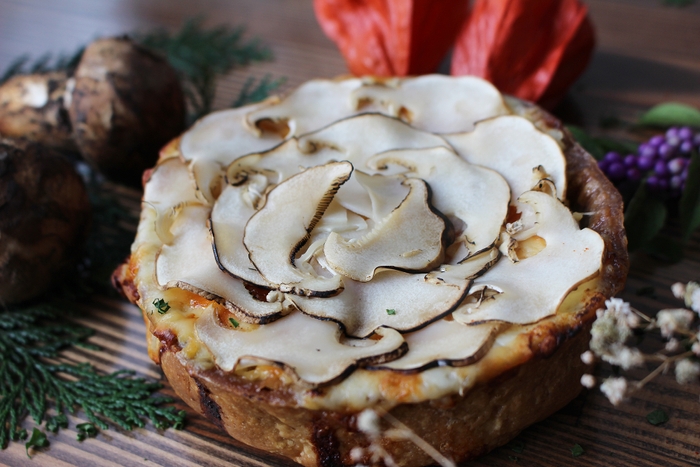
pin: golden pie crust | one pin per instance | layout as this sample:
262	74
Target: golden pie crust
511	388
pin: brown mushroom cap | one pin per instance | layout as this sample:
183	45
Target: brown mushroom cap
127	103
44	216
33	107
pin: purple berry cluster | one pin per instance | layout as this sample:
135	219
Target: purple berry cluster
664	157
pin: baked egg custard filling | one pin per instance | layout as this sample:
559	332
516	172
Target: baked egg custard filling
358	229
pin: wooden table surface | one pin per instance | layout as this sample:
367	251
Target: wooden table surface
647	53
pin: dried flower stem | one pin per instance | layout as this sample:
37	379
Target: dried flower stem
662	368
401	431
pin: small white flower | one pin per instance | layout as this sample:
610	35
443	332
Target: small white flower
587	357
670	321
357	453
687	371
624	357
613	326
692	296
695	301
678	290
615	389
696	348
672	345
622	312
588	381
368	422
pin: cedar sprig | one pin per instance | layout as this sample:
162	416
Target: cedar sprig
32	379
202	55
23	65
252	92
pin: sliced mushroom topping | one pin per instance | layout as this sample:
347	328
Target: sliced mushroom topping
396	299
276	233
477	196
166	202
534	287
188	263
231	212
309	107
310	348
158	191
362	136
223	137
208	178
353	139
385	193
411	239
444	343
513	147
435	103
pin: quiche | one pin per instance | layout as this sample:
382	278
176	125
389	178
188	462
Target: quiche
368	271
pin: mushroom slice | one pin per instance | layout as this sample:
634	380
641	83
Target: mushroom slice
353	139
208	179
395	299
276	233
166	202
534	287
159	192
223	137
444	343
331	102
411	239
436	103
310	348
364	135
229	216
477	196
188	263
514	148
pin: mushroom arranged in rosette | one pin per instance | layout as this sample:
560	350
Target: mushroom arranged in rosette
389	225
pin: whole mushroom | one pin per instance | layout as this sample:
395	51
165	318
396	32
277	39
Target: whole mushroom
44	218
126	104
32	107
120	107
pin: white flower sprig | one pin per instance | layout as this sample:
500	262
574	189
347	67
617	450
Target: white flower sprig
368	422
616	324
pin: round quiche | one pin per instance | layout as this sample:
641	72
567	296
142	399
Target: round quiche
369	271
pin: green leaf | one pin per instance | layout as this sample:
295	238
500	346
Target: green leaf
38	440
690	201
233	322
671	114
577	450
657	417
54	423
588	143
161	305
390	311
86	430
644	218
